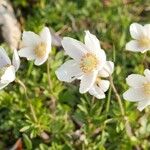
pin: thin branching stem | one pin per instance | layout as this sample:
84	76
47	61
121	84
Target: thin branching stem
144	62
43	135
127	123
50	84
30	104
48	74
117	96
93	100
108	100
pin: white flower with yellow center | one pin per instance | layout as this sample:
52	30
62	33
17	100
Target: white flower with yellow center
36	47
88	60
101	86
8	69
141	36
139	89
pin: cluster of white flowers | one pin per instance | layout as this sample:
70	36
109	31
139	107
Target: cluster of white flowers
88	63
35	47
139	85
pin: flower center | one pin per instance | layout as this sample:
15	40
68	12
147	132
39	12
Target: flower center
40	50
144	42
147	88
88	63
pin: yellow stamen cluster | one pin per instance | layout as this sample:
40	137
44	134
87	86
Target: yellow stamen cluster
88	63
40	50
144	42
147	88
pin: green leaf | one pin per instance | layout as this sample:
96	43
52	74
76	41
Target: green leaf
27	142
24	128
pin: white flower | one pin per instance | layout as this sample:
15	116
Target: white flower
101	86
139	89
36	47
8	69
141	36
88	60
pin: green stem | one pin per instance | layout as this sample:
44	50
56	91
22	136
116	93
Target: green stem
48	74
144	62
127	123
30	104
93	100
43	135
117	96
108	100
50	85
30	69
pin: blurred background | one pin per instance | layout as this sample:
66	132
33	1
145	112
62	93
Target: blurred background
74	121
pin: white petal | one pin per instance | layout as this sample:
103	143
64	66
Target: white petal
107	69
69	71
143	104
134	46
92	42
97	92
147	30
27	52
134	95
46	38
104	85
98	89
30	39
4	59
135	80
40	61
16	60
147	74
9	75
3	85
75	49
87	82
101	56
136	30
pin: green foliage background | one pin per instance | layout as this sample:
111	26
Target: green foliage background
76	121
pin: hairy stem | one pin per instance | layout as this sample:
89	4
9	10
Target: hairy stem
127	123
30	104
93	100
117	96
48	74
43	135
108	100
53	105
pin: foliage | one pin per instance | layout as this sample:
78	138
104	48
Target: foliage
65	119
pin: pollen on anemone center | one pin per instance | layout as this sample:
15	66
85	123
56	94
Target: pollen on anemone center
88	63
40	50
144	42
147	88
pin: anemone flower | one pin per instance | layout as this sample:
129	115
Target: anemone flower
8	68
88	59
36	47
141	38
139	90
